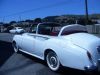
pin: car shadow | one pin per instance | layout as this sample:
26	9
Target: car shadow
6	50
63	71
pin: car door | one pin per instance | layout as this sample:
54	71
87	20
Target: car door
43	31
28	43
40	44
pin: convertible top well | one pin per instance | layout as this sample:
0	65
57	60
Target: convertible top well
54	29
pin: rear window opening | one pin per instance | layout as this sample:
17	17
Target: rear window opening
72	32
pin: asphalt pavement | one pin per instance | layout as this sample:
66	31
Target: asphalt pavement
22	64
6	51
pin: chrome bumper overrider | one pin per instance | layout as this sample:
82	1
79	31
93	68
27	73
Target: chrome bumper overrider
93	67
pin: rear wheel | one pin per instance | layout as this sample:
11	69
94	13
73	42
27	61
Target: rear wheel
15	46
53	61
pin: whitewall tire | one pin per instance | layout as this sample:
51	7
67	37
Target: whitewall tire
53	61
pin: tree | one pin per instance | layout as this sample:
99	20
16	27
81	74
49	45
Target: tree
6	25
50	19
9	28
71	21
83	22
28	20
12	22
1	22
38	20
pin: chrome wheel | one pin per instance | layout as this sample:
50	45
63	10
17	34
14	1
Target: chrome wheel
53	61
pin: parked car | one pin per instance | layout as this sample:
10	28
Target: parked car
17	30
69	46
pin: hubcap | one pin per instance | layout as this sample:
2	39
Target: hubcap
53	61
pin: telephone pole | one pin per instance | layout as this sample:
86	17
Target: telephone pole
20	18
86	9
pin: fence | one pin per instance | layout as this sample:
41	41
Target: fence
93	28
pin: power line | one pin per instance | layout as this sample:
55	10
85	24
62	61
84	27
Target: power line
40	8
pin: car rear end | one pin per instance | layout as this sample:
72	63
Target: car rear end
89	43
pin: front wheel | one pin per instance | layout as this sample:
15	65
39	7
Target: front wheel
53	61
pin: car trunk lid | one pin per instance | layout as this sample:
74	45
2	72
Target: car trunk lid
86	41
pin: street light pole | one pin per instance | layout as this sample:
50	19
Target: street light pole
86	8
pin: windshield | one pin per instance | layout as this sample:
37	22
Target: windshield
51	29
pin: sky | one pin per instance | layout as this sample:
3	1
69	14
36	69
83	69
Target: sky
16	10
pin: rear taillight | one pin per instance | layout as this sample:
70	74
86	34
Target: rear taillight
89	55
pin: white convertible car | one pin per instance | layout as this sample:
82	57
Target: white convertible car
69	46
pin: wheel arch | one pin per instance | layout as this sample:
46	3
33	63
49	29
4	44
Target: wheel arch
13	41
46	52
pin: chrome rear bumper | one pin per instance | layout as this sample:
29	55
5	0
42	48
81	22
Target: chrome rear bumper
90	68
93	67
